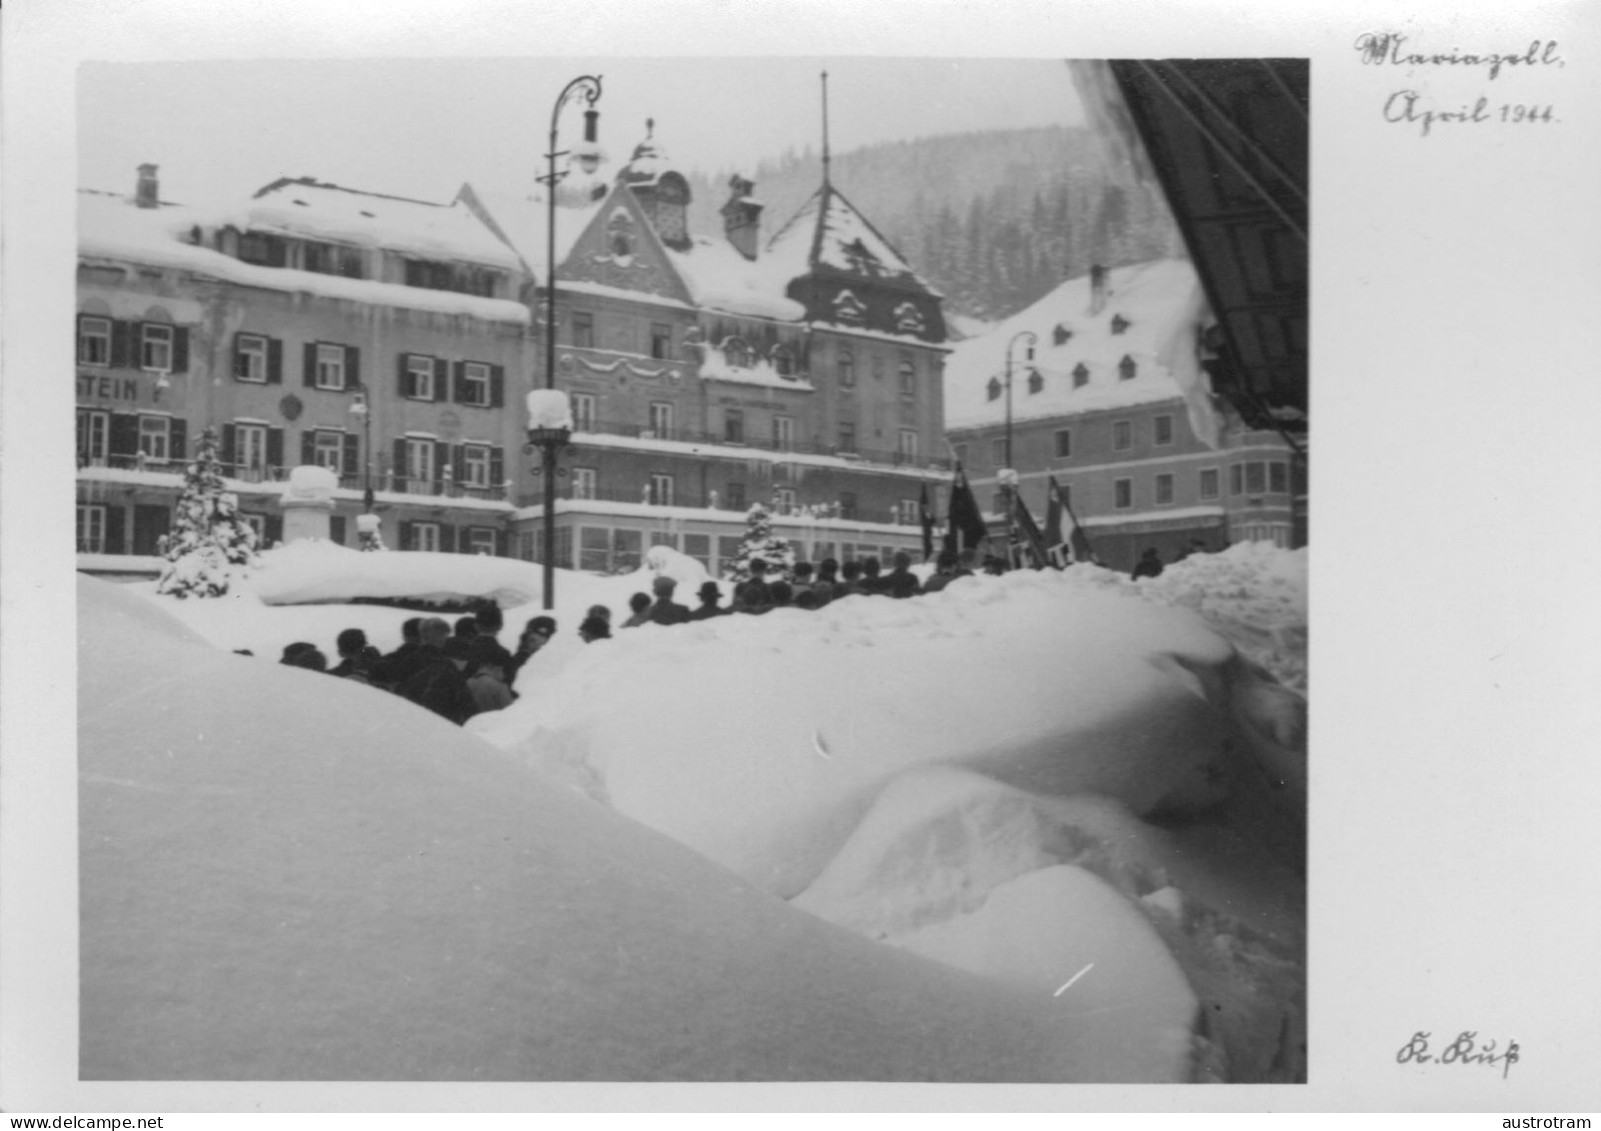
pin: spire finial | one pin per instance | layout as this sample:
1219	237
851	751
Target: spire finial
825	128
650	128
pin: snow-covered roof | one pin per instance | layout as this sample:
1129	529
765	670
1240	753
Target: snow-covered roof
114	228
1156	301
720	278
828	231
311	209
524	219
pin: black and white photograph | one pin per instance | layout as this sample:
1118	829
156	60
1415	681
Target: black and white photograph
610	562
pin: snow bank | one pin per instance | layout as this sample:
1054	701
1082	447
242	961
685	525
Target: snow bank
313	571
760	741
357	890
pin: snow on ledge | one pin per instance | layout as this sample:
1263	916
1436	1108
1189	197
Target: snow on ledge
317	572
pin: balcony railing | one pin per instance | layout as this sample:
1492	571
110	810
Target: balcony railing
273	474
637	431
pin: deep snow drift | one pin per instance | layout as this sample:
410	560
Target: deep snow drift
1086	792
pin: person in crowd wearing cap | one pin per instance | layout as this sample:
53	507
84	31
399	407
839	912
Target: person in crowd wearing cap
594	629
944	572
850	579
394	669
827	583
640	604
536	634
303	654
753	594
665	610
710	594
872	581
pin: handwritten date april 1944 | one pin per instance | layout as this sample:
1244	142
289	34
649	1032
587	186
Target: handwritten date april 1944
1414	107
1464	1050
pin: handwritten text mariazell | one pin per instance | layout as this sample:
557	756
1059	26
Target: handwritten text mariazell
1415	106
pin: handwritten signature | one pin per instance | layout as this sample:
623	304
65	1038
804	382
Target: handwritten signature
1464	1050
1377	48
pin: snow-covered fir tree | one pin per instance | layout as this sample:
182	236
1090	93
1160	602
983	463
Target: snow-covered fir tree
759	541
209	537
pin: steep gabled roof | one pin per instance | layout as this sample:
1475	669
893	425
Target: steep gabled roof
828	231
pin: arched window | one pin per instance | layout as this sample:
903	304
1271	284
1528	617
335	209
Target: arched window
908	319
845	365
620	234
849	308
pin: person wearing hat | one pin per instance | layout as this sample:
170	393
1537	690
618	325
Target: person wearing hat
710	593
486	675
594	629
666	610
536	634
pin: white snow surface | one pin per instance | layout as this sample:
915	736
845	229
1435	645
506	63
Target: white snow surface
720	278
1156	299
357	890
1005	830
549	408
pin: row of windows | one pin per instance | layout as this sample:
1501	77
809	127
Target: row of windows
156	347
265	250
1127	370
1253	478
583	335
584	407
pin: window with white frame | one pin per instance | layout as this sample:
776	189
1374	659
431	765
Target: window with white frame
250	358
480	540
91	528
328	450
154	436
425	536
583	412
906	444
1122	435
906	372
845	367
585	480
1208	483
94	341
783	432
250	449
475	466
1164	489
1064	443
155	347
475	384
94	436
594	549
784	500
330	366
661	490
419	459
661	418
1122	493
419	377
1162	430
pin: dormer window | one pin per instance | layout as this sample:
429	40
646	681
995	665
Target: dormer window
1036	381
908	319
1081	375
783	361
267	251
736	353
1061	334
1119	323
994	389
850	309
1126	368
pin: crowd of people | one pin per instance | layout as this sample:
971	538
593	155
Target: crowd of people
461	671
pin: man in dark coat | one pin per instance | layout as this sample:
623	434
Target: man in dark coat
709	595
437	682
752	595
665	610
350	643
395	667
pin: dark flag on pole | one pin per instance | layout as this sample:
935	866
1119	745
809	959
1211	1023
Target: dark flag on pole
966	528
926	515
1075	547
1031	543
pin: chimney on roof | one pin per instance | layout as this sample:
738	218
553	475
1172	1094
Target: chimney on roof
148	192
742	216
1097	289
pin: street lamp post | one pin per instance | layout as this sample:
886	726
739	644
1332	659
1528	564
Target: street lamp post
1009	479
550	441
550	426
366	523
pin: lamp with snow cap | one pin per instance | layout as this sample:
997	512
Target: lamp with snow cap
550	427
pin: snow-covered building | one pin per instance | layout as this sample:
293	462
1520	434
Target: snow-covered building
393	340
710	372
1114	403
373	335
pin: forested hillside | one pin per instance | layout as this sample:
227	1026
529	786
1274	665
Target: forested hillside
992	220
